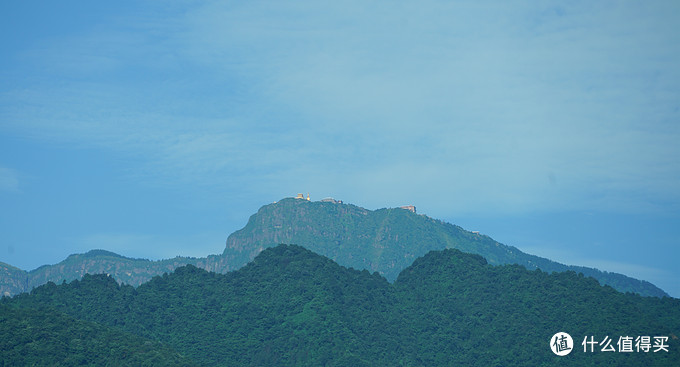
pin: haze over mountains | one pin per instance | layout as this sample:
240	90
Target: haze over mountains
150	129
384	241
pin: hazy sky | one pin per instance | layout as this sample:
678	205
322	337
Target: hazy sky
156	128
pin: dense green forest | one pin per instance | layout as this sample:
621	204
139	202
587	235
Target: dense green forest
44	337
291	306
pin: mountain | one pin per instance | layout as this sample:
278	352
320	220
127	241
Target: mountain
291	306
387	240
384	240
124	269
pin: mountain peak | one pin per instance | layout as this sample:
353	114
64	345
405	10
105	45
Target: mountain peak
289	258
385	240
99	252
451	261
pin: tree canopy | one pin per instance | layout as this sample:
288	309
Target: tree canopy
291	306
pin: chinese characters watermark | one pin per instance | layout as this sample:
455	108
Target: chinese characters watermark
562	344
627	344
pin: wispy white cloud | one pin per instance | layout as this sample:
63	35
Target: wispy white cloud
508	107
561	92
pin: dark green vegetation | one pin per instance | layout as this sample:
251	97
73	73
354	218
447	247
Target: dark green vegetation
385	240
43	337
291	306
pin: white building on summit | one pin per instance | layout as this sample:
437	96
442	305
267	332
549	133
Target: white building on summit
331	200
302	196
411	208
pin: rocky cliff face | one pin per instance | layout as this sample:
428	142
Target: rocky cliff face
384	240
12	280
325	225
125	270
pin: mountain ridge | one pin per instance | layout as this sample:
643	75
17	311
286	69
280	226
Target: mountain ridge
384	240
376	240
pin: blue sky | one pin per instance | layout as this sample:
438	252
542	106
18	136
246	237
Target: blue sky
154	129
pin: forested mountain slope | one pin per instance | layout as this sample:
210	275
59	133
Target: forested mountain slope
387	240
291	306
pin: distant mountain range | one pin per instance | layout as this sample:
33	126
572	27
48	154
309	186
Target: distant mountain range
384	241
292	307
